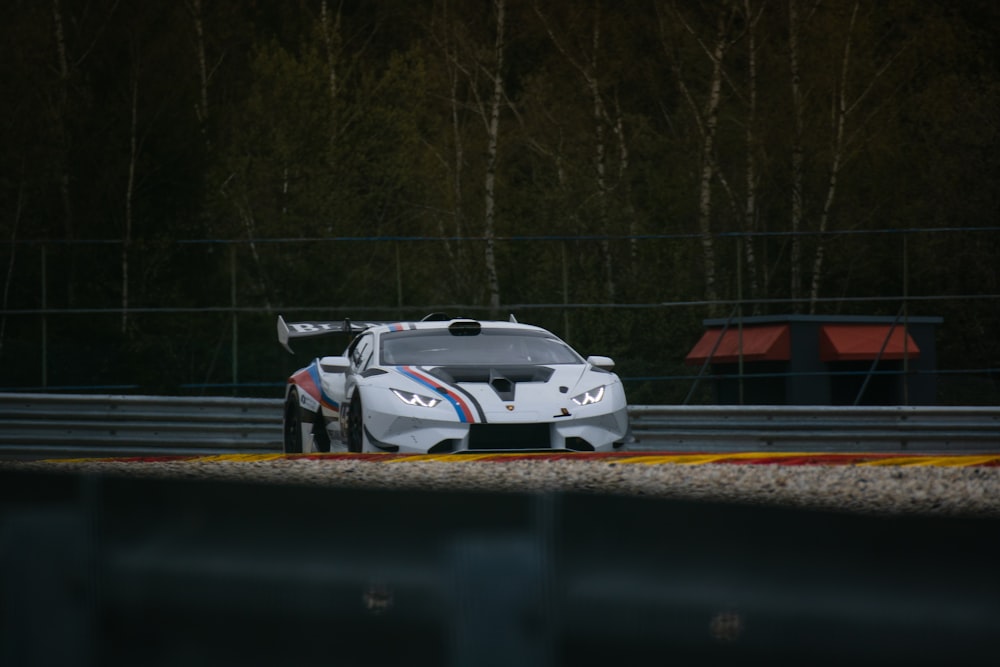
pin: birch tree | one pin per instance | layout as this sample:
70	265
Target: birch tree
750	209
458	145
858	91
449	152
479	71
62	132
493	139
706	118
345	52
709	124
589	68
838	116
134	148
9	277
201	106
797	175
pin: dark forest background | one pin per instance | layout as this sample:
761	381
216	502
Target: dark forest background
176	173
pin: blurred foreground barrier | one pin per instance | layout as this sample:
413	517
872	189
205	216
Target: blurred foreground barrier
67	425
134	571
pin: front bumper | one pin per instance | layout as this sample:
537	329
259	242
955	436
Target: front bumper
421	430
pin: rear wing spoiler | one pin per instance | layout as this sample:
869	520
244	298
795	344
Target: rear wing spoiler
289	330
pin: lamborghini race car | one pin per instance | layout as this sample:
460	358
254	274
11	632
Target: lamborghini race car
450	385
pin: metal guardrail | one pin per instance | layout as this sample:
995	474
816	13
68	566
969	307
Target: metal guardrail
65	425
817	428
108	425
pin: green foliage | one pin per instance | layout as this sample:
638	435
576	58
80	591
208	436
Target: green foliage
329	124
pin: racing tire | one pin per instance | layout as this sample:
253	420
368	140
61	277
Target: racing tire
292	424
355	426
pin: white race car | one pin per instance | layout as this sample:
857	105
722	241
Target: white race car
450	385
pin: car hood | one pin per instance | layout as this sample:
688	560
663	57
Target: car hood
521	383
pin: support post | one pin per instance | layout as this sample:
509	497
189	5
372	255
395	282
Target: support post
739	313
399	282
232	304
565	291
45	322
906	320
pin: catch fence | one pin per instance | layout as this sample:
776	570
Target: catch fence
197	316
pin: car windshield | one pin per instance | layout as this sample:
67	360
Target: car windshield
490	346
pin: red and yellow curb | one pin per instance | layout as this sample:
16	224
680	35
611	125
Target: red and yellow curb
624	458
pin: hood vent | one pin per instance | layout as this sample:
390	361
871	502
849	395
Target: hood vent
504	387
503	379
486	374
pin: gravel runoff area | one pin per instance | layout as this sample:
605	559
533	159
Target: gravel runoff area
872	489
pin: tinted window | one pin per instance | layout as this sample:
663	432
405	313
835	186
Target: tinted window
361	356
440	348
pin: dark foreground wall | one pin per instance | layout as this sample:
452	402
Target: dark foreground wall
114	571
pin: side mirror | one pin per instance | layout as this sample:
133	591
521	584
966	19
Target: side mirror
335	364
604	363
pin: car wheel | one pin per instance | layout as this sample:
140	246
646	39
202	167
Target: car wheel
292	424
355	425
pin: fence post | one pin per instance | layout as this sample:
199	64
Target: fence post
399	282
232	303
739	312
906	319
45	324
565	290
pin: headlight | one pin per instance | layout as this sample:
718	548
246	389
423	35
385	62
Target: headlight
410	398
590	397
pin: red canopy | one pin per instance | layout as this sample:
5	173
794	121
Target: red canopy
769	342
864	342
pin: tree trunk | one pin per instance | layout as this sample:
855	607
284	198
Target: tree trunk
588	69
493	136
750	208
458	226
455	255
711	123
623	179
600	156
836	160
15	223
795	254
201	109
250	225
129	194
63	140
706	118
331	43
